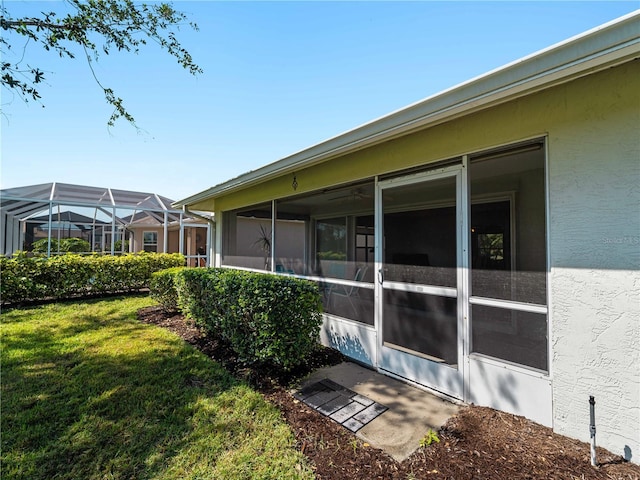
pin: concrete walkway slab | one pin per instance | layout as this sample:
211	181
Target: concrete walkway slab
411	411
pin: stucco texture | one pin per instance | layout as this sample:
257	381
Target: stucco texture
594	171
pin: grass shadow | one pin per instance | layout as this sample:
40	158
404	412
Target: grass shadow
88	392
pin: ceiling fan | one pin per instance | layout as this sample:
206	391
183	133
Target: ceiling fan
354	195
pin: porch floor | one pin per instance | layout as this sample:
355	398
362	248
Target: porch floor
410	412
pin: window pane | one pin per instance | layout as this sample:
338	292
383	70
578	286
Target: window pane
508	238
150	241
331	247
352	302
291	240
345	248
365	238
150	237
519	337
247	238
426	324
330	234
317	234
420	233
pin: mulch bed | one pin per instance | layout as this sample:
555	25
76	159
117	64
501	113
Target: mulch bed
478	443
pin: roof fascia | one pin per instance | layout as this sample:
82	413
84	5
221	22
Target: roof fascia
602	47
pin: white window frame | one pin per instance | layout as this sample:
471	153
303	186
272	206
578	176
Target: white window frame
145	243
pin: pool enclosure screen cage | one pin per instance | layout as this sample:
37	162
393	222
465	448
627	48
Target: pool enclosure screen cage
109	219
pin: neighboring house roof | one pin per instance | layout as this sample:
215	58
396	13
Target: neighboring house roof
67	216
603	47
61	219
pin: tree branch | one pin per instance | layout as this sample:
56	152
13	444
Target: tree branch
119	24
13	24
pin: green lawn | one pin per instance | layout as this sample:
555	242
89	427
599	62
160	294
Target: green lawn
90	393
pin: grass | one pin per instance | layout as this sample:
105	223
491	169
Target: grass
89	392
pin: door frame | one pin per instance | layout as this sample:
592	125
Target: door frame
458	171
481	376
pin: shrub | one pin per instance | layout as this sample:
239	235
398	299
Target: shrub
74	245
40	246
118	246
266	318
64	276
162	288
276	319
332	255
65	245
201	296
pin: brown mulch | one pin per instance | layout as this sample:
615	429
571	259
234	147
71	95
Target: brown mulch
478	443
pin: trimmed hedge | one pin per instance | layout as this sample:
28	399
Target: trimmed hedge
201	296
66	276
266	318
162	288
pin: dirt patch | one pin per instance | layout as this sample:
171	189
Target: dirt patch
478	443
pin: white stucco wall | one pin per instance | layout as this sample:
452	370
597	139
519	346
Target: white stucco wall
594	190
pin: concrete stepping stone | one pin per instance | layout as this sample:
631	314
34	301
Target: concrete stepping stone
346	407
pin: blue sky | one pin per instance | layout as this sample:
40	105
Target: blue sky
278	77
